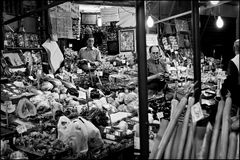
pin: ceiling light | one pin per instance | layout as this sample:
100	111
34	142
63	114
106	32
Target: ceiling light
150	22
214	2
219	22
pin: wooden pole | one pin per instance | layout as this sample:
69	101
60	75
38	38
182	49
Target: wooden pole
142	78
2	28
196	48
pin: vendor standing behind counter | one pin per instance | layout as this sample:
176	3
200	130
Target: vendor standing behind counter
156	65
90	53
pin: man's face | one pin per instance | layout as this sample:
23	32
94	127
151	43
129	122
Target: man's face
90	42
155	53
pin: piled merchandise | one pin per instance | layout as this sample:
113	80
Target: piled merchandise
55	112
27	40
187	140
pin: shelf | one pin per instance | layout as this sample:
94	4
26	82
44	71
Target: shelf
23	48
4	80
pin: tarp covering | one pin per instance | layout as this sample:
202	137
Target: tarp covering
127	17
127	21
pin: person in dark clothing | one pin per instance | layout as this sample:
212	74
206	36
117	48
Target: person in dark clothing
232	82
156	65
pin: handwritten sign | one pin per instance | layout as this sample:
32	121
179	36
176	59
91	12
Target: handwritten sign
151	39
100	73
196	112
21	129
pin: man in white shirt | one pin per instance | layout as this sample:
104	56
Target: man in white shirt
90	53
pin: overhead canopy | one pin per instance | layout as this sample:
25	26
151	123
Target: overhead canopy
127	21
127	17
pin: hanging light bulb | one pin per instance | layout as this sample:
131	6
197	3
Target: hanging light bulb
219	22
150	22
214	2
99	21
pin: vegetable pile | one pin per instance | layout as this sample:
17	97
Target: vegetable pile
182	140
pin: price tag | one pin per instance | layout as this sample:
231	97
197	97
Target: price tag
196	112
79	71
100	73
31	78
160	115
110	136
89	65
21	129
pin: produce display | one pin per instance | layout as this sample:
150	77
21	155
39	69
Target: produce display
71	114
10	90
220	132
53	98
41	143
21	40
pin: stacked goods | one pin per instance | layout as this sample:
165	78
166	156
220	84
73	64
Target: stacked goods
220	141
172	124
21	40
191	101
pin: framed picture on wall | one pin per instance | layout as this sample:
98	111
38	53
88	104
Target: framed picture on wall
126	39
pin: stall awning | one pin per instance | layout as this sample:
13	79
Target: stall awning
128	20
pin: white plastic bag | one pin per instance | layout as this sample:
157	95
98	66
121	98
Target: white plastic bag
94	136
79	137
73	133
64	128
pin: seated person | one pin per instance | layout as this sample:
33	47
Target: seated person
90	53
155	65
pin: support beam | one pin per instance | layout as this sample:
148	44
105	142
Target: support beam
142	78
196	48
2	29
55	3
237	24
201	9
124	3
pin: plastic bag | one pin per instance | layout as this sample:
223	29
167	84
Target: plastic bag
79	137
73	133
64	128
94	136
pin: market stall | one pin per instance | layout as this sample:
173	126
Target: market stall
88	111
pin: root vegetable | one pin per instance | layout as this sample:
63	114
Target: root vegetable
191	101
189	143
174	103
167	154
163	126
167	134
232	145
237	153
206	142
225	127
216	129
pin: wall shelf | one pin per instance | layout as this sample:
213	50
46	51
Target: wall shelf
22	48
